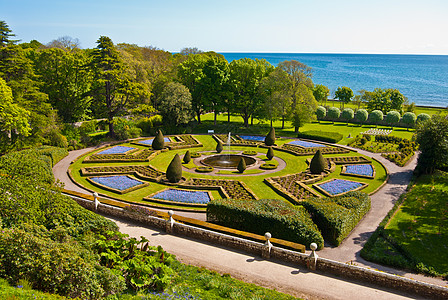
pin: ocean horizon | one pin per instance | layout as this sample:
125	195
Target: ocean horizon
422	78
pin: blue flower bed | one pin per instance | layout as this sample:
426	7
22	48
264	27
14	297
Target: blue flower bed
116	150
121	182
339	186
183	196
253	138
306	144
365	170
149	141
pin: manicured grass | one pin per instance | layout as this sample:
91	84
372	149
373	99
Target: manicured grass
421	223
23	292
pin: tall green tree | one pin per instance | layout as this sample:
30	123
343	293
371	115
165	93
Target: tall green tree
305	108
344	94
385	100
321	93
5	35
300	74
66	81
245	77
175	105
111	90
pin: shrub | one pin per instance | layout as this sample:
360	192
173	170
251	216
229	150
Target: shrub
270	154
361	115
270	138
268	166
174	170
321	112
219	147
376	116
195	154
187	157
409	118
393	117
337	216
145	124
249	152
324	136
241	165
53	137
125	129
158	143
333	113
88	127
423	118
278	217
347	114
204	169
318	163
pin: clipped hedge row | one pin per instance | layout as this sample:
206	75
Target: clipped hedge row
337	216
324	136
281	219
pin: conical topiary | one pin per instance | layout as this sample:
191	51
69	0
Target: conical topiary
270	138
158	143
187	157
270	153
318	163
241	165
219	147
174	170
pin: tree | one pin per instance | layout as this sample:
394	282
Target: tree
432	138
304	110
344	94
111	90
187	157
219	146
245	77
422	118
376	116
299	73
385	100
409	119
65	43
318	163
241	165
190	50
333	113
270	137
158	143
174	170
321	112
175	105
347	114
270	153
321	93
5	34
361	115
393	117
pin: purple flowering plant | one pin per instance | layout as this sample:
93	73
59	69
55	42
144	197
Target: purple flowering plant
339	186
306	144
183	196
365	170
116	150
121	182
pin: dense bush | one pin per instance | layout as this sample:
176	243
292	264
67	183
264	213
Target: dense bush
159	142
409	118
281	219
347	114
187	157
392	117
270	153
125	129
337	216
219	146
324	136
423	118
318	163
174	170
333	113
241	165
270	137
361	115
321	112
376	116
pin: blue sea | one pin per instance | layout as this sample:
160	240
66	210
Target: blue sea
423	79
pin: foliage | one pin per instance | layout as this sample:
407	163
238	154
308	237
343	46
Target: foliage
241	165
219	146
385	100
174	170
187	157
318	163
392	117
344	94
175	105
333	113
337	216
347	114
5	34
423	117
321	112
23	291
321	93
361	115
432	138
409	118
281	219
270	137
331	137
125	129
159	142
270	153
376	116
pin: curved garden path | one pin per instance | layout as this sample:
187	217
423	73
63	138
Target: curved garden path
285	277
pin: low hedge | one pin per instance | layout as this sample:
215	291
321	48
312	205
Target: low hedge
337	216
280	218
324	136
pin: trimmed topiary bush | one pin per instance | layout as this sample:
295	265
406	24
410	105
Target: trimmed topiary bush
409	118
270	138
241	165
270	153
219	147
333	113
195	154
174	170
321	112
158	143
376	116
324	136
347	114
187	157
361	115
423	118
393	117
268	166
318	163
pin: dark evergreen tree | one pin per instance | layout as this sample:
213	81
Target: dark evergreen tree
159	142
219	147
174	170
318	163
270	153
5	34
242	165
187	157
270	138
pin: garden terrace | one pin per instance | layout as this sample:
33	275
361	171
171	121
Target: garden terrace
341	160
235	141
146	172
136	156
359	170
117	183
302	151
233	188
338	187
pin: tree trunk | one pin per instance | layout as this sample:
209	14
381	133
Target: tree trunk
216	115
283	123
252	120
296	129
198	114
271	123
228	114
110	119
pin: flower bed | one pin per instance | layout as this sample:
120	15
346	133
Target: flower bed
118	183
250	152
117	150
256	138
143	155
233	188
183	196
341	160
146	172
364	170
377	132
149	141
305	144
298	150
235	142
195	154
337	187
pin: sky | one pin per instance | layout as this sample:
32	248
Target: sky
311	26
